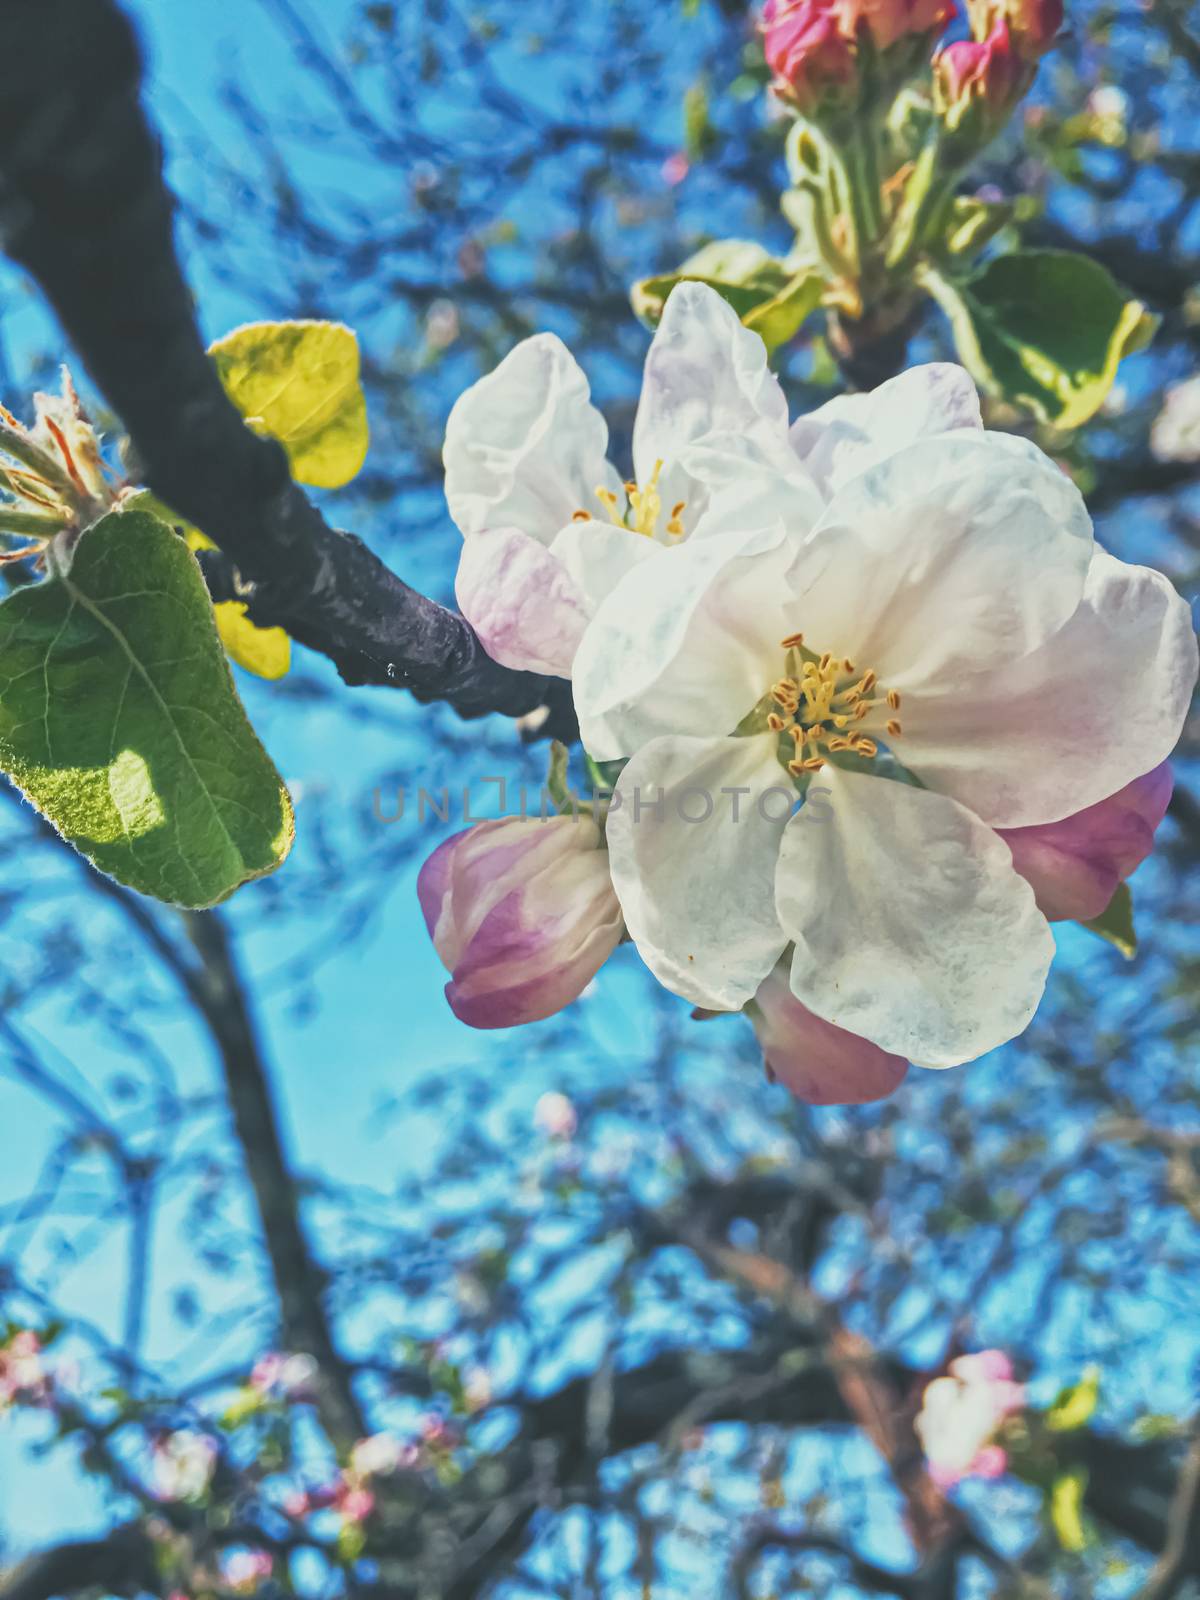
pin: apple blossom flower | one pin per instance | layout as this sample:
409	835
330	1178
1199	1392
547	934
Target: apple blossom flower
548	528
554	1115
1076	865
938	650
1175	435
819	1063
244	1571
523	914
184	1462
961	1415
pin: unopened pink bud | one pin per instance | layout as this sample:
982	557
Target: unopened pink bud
979	72
807	51
890	21
523	913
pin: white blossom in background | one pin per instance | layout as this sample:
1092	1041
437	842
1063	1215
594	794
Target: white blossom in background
1175	435
281	1376
949	619
24	1376
183	1465
961	1415
554	1115
377	1457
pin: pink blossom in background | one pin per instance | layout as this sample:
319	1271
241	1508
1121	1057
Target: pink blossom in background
961	1414
554	1115
244	1570
675	169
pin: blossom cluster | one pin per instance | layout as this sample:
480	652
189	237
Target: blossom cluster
963	1414
901	619
25	1378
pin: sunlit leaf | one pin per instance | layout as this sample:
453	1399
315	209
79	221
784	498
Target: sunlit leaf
120	722
1066	1510
1075	1407
299	383
1045	330
1115	922
766	295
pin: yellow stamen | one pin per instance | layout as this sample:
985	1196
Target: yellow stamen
894	728
792	642
893	699
581	516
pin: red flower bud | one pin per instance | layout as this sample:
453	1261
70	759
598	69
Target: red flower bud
806	51
974	72
1034	24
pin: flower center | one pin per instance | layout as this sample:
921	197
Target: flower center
825	707
643	510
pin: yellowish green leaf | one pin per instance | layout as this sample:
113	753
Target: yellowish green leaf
299	383
1066	1510
1043	329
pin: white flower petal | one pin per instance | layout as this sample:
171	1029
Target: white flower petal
687	643
697	896
598	555
953	556
522	601
706	375
856	431
1100	703
911	926
525	447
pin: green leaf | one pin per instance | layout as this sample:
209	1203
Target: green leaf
119	720
1043	329
1066	1510
765	294
266	652
1115	923
299	383
1074	1407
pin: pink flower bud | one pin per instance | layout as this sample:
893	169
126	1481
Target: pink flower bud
806	50
979	72
523	913
889	21
818	1062
1076	865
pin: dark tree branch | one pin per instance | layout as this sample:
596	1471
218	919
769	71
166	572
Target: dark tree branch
123	1562
84	209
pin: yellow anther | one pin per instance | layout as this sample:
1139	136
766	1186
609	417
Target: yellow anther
861	709
847	664
775	722
893	699
609	500
581	516
894	728
675	526
866	747
792	642
823	664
